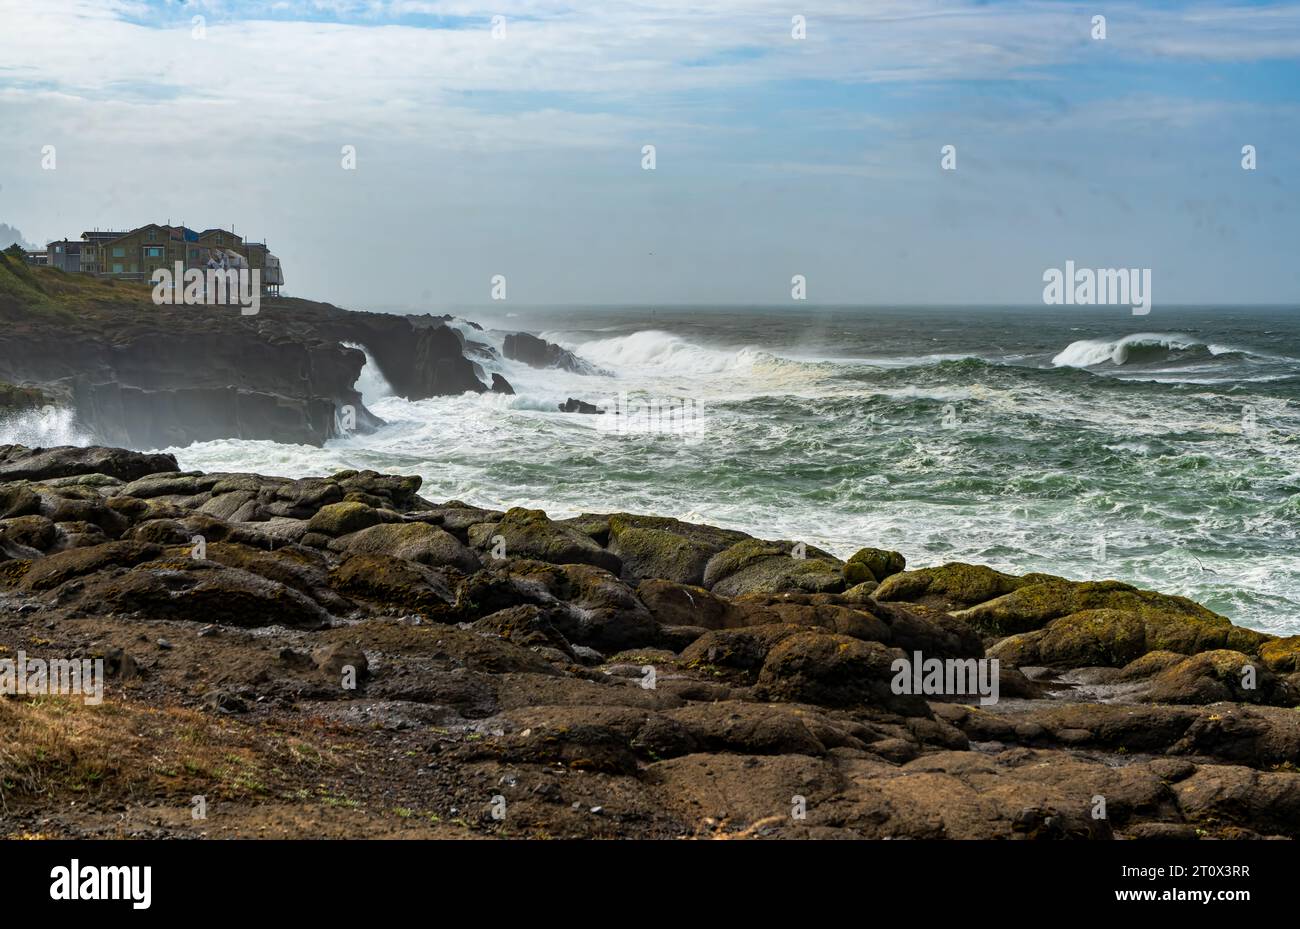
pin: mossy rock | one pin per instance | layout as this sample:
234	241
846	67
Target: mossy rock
1032	605
661	547
754	566
53	570
653	553
855	572
949	586
1219	675
880	563
531	534
1113	638
204	592
394	582
783	573
18	500
742	649
335	519
36	532
738	556
674	604
1281	655
589	524
860	593
1109	638
418	542
835	670
1150	664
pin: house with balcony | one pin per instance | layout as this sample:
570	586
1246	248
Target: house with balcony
136	254
64	255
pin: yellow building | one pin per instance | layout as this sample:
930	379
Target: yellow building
135	255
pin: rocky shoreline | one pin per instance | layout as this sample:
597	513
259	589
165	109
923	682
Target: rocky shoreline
337	656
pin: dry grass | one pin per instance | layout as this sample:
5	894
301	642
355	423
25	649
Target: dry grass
54	748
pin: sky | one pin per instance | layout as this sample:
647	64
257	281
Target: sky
509	140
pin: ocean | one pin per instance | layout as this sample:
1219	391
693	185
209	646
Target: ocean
1160	450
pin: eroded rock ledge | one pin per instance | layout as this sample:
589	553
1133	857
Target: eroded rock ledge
147	376
506	654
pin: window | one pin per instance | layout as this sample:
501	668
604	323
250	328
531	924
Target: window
153	251
119	252
117	268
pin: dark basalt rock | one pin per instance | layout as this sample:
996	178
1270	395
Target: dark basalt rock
572	405
583	661
148	376
20	463
538	353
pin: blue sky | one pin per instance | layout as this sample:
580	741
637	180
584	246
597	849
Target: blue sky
521	155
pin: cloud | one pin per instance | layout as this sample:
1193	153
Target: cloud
504	146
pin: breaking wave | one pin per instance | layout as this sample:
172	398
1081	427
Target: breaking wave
1140	348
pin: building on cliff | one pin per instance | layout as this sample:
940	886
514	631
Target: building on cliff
136	254
64	255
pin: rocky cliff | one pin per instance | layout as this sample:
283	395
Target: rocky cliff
148	376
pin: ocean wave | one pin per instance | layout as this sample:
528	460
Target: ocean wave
371	383
662	350
1143	348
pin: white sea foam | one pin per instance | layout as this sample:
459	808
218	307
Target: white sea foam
371	383
662	350
45	427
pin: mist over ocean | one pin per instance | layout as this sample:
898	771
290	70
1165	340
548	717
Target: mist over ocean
1161	450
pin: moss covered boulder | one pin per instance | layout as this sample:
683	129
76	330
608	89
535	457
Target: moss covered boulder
53	570
1114	637
872	564
32	533
1282	655
654	546
757	567
674	604
656	553
1219	675
531	534
1034	604
417	542
837	671
18	500
335	519
950	586
738	649
1149	665
394	582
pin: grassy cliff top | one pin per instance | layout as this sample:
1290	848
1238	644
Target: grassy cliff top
26	290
